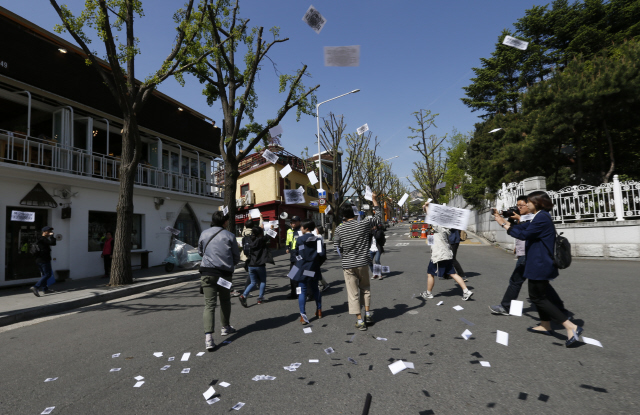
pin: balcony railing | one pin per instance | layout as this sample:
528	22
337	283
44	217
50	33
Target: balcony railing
37	153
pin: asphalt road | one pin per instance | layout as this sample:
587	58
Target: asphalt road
533	374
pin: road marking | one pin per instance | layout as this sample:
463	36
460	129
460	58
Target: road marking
403	244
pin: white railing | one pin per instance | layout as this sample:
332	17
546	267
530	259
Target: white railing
49	155
608	201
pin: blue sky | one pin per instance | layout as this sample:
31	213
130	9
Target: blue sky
414	54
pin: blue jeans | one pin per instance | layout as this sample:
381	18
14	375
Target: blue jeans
375	258
257	274
309	285
46	275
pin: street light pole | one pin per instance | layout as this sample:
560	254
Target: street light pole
318	128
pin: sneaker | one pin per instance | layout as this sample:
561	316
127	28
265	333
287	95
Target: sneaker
261	300
466	295
208	342
498	309
426	295
361	326
368	318
243	301
236	293
34	290
380	277
49	291
227	330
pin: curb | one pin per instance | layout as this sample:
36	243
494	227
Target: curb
49	309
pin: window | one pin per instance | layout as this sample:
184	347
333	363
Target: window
287	184
311	191
244	189
101	222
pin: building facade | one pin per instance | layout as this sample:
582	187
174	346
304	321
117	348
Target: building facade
60	141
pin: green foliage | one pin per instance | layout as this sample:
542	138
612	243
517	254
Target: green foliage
455	174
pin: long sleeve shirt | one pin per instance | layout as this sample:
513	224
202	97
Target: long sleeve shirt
353	240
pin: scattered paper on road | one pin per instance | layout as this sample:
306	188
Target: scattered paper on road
271	157
185	357
466	334
587	340
293	272
381	338
404	199
47	410
368	194
115	355
186	370
458	308
440	303
485	364
226	342
502	337
467	322
224	384
307	330
329	350
212	401
399	366
314	19
312	177
516	308
165	367
171	359
209	393
115	369
200	354
255	213
50	379
276	131
286	170
139	377
138	384
352	360
224	283
516	43
238	406
158	354
342	56
314	361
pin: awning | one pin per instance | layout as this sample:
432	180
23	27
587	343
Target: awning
39	197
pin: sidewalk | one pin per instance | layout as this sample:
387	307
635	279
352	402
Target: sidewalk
19	304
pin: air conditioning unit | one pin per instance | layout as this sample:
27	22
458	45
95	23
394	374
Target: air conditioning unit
240	202
249	197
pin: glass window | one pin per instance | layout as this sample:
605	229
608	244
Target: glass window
175	163
185	165
311	191
165	160
194	167
203	170
101	222
244	189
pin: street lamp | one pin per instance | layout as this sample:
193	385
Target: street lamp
318	125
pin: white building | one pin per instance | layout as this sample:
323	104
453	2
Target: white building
59	145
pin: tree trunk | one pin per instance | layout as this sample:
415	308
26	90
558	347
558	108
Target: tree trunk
231	175
121	267
611	156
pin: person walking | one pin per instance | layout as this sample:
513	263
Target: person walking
220	254
539	269
107	254
377	247
256	247
292	234
517	276
246	232
352	241
312	253
441	262
43	259
319	233
454	242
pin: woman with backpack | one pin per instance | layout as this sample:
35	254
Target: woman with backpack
377	247
540	237
256	248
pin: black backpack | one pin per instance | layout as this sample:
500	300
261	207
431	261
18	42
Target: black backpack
561	252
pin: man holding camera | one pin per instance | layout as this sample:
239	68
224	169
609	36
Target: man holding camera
43	260
517	278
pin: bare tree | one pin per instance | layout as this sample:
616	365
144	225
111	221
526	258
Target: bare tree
235	87
131	95
431	168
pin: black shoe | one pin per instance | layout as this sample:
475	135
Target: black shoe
573	341
545	332
34	290
243	301
292	296
49	291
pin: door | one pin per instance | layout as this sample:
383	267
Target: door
83	144
20	264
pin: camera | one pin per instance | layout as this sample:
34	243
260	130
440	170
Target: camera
510	212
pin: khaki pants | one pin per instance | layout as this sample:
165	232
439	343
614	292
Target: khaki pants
358	292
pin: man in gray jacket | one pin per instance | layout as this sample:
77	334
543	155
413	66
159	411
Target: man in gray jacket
220	254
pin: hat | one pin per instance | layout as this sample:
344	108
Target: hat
295	219
47	229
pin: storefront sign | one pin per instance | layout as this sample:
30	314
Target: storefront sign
17	216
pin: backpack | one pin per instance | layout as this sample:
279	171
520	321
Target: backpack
463	235
246	246
561	252
34	249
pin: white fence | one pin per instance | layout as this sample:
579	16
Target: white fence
44	154
608	201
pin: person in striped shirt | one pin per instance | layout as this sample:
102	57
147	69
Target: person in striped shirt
352	242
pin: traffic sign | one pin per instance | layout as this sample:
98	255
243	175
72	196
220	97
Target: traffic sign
323	208
323	201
